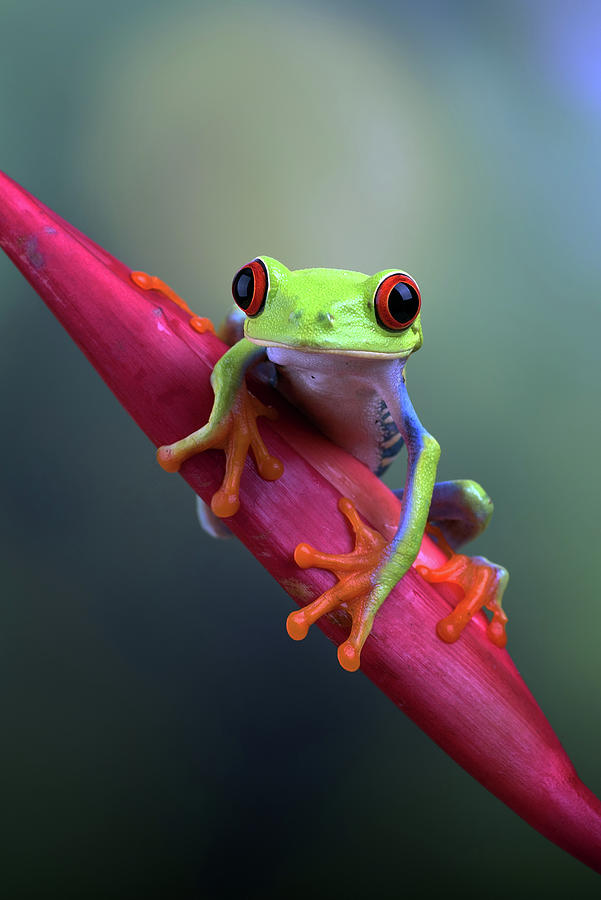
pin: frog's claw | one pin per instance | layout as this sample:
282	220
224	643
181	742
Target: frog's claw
152	283
354	591
483	584
235	434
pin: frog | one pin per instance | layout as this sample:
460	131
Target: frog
337	343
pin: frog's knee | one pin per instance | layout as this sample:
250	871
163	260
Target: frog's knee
477	500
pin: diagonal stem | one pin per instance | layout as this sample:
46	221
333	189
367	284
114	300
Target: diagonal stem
468	697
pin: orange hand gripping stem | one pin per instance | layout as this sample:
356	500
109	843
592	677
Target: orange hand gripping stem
355	581
237	433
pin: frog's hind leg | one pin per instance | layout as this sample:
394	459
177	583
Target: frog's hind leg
459	512
461	509
483	584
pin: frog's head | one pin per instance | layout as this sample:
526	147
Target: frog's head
329	310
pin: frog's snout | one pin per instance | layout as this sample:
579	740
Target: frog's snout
323	319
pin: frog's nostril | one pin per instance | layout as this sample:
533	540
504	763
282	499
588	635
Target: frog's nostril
325	318
295	316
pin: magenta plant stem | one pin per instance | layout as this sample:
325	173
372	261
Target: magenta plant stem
467	696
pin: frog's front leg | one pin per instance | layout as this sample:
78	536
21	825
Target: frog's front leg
232	427
368	574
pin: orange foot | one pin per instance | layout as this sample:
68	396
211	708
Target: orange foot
483	584
235	435
152	283
353	592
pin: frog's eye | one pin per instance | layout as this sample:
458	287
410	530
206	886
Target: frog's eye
250	286
397	302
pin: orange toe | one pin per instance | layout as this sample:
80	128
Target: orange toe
225	504
168	460
270	468
449	630
349	657
297	625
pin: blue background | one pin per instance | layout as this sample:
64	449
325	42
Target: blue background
161	735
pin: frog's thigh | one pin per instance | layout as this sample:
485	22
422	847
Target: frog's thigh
462	509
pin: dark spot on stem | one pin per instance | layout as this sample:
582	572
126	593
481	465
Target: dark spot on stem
33	254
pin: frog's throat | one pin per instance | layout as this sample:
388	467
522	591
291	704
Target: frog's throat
342	351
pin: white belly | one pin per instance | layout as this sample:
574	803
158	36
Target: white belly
340	395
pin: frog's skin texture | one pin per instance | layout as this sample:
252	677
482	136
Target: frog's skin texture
338	342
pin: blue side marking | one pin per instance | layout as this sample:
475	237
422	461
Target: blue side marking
390	441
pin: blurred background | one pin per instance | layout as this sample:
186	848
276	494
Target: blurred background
150	749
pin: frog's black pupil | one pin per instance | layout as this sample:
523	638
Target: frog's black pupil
403	303
244	286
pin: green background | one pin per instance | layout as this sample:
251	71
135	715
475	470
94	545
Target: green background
149	748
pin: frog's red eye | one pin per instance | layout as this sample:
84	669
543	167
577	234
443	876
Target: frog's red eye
397	302
250	286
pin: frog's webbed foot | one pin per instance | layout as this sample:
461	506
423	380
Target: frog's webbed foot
354	591
152	283
235	434
483	584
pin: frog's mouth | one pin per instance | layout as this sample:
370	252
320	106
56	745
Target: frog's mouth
338	351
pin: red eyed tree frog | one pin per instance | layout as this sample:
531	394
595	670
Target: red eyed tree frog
339	342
